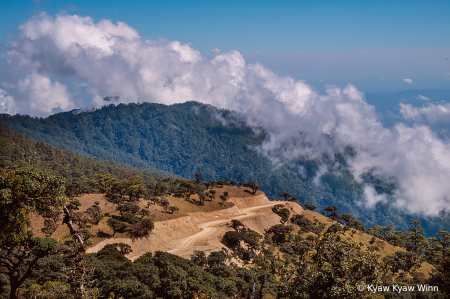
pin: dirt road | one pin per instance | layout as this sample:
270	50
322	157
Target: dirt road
184	235
209	238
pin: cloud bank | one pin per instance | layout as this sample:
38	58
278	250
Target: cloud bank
110	59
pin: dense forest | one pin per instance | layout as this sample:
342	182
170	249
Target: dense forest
189	138
301	257
18	151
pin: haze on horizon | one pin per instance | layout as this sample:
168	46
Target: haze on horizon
60	61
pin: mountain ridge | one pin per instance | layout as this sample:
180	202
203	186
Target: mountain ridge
186	138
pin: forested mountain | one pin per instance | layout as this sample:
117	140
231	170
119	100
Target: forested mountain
18	151
188	138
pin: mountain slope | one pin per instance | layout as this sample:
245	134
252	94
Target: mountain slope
188	138
18	150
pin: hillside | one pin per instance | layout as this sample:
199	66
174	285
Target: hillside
188	138
19	150
210	238
201	228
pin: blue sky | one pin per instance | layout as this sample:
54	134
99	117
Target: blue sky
400	39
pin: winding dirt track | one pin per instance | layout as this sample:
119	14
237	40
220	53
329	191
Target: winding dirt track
257	217
209	238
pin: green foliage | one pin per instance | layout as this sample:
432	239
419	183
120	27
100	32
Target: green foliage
174	209
165	204
334	228
21	151
336	268
305	224
236	224
21	192
252	185
281	211
310	207
280	233
116	225
129	218
128	207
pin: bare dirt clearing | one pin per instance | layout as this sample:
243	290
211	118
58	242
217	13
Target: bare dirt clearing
203	230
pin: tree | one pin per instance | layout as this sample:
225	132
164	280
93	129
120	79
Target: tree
74	204
281	211
136	189
285	195
333	212
336	269
22	191
141	229
281	233
212	194
144	213
116	225
236	224
416	240
174	209
334	228
224	196
188	188
165	204
310	207
106	182
198	177
199	258
233	238
252	185
201	197
128	207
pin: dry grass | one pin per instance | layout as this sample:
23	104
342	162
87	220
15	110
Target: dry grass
157	213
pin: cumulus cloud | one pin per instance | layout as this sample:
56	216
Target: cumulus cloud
7	102
432	113
111	59
39	95
409	81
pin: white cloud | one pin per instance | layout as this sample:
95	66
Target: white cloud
372	198
41	96
409	81
423	97
431	113
8	85
7	104
113	60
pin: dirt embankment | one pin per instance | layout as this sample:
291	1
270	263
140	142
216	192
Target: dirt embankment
252	201
203	230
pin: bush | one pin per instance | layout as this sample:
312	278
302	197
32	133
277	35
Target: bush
129	218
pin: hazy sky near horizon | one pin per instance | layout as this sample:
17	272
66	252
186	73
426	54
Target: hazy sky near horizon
374	45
